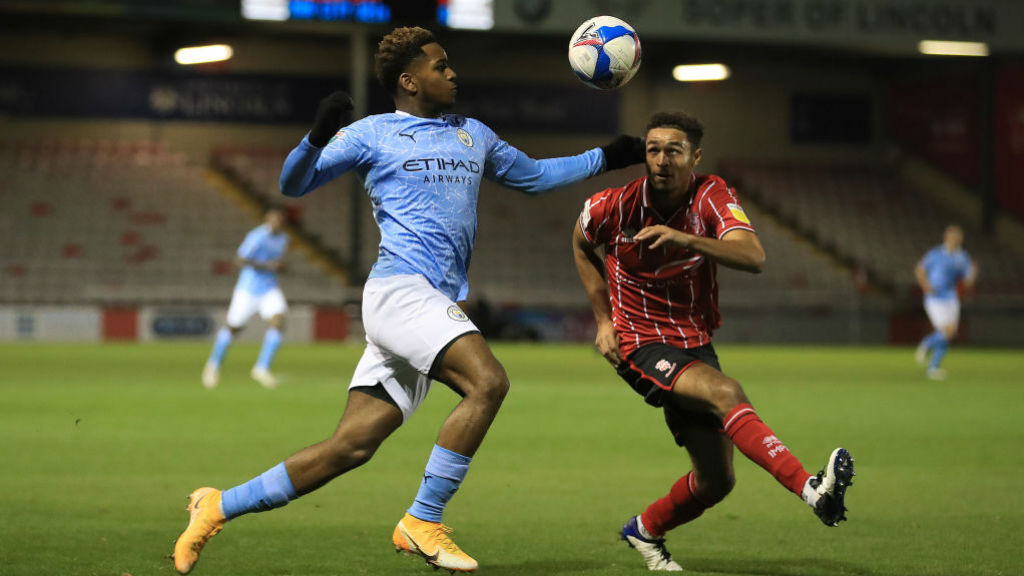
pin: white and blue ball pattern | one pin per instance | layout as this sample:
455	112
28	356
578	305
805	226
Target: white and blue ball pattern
604	52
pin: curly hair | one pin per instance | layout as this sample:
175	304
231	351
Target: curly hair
395	51
681	120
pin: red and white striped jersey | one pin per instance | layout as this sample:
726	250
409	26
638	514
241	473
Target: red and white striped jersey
666	295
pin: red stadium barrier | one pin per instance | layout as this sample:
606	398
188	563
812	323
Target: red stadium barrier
330	324
120	324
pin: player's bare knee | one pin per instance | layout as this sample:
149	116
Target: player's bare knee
278	323
728	394
348	454
496	386
490	385
359	455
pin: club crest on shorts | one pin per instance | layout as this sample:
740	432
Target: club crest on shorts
464	137
665	366
456	313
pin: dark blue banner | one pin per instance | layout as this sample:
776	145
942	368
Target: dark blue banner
155	95
266	99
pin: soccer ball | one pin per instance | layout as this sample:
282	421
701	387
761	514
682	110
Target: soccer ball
604	52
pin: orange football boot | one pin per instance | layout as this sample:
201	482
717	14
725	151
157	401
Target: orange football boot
430	540
205	520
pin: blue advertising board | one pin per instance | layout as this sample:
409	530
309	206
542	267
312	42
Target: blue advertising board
275	99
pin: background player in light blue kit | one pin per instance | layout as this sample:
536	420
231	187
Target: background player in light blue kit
421	168
938	274
261	256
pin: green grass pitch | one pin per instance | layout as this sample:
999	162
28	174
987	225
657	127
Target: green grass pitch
100	444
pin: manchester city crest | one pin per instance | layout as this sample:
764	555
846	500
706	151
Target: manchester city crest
456	313
464	137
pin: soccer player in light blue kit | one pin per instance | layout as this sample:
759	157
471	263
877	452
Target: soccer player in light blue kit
260	256
421	167
938	274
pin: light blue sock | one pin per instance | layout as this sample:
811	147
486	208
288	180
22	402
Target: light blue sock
933	339
271	342
269	490
220	346
939	351
444	473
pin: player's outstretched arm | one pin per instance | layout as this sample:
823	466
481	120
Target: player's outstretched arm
739	249
304	170
535	176
591	271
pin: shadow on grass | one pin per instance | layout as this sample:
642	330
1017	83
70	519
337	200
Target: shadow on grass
553	566
792	567
716	566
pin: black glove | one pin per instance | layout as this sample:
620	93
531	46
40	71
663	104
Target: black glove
623	151
328	118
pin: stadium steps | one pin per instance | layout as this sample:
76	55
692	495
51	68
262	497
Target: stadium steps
309	244
797	272
870	281
867	217
955	197
112	221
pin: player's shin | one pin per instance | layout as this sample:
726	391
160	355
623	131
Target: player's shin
939	350
679	506
269	490
271	342
757	442
220	346
441	480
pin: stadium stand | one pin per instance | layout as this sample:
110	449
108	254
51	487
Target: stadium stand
535	268
124	221
522	256
865	216
796	272
324	214
131	221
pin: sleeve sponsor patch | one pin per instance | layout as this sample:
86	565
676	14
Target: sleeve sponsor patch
738	213
585	215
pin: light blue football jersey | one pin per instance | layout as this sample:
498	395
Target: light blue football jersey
423	179
944	270
260	245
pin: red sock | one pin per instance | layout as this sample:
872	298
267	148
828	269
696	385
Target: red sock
757	442
678	507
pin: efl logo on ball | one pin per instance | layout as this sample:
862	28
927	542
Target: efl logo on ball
604	52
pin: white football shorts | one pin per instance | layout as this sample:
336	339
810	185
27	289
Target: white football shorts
244	305
407	323
942	312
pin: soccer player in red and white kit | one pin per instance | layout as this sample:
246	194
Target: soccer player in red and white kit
655	298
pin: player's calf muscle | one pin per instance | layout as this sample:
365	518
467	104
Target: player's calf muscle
714	490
